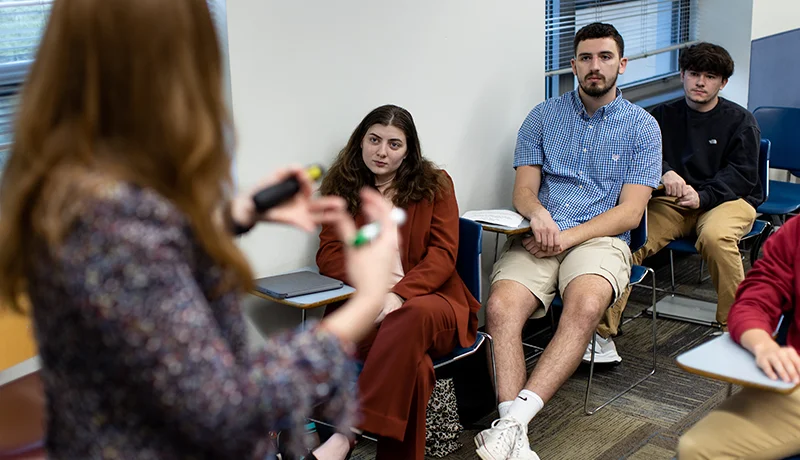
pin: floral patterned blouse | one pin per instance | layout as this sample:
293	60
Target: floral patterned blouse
140	363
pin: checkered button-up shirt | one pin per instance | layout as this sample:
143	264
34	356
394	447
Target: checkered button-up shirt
586	160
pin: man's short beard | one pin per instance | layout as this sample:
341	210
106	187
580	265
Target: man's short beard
595	91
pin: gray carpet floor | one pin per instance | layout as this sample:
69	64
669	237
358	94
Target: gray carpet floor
645	423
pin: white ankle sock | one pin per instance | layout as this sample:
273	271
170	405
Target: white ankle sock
503	407
525	407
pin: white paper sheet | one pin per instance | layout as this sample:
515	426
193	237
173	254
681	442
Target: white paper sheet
502	217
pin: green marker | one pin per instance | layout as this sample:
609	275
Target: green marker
371	231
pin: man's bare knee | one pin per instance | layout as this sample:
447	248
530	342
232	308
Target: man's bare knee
510	304
587	297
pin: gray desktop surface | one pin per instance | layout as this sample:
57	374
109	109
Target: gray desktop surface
724	359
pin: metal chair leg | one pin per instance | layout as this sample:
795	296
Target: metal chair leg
655	356
759	242
591	375
494	369
700	273
672	271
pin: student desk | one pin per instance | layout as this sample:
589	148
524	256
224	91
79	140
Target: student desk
310	301
523	227
723	359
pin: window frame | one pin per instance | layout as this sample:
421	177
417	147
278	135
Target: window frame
644	91
13	74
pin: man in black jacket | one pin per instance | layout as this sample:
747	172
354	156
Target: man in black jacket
710	176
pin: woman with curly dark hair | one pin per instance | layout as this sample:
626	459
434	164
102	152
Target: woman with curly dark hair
428	311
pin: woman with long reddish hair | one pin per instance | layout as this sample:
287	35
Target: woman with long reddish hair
117	223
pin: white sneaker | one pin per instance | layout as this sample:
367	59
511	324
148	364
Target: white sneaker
604	352
507	439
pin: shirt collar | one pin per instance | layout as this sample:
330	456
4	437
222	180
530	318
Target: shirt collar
604	111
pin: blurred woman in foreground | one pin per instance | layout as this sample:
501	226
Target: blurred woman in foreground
117	223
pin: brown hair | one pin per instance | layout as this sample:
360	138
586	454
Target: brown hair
120	91
707	57
417	178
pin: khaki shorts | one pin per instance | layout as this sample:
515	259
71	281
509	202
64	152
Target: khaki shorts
606	256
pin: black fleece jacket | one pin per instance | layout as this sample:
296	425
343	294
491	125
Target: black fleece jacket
716	152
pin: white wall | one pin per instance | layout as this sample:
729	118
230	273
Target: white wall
772	17
304	74
727	23
735	23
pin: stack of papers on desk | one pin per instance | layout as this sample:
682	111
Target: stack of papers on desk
503	217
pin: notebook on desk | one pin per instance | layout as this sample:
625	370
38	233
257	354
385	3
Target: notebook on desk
295	284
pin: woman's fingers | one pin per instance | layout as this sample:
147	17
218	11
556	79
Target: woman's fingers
326	209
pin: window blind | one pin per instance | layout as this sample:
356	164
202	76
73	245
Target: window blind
21	26
22	23
648	27
8	103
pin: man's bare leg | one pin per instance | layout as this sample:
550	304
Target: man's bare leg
585	300
509	306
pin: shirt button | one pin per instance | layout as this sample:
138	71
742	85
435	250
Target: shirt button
580	186
580	172
590	126
566	205
584	150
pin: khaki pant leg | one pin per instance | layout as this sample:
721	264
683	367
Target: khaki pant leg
666	221
752	425
718	233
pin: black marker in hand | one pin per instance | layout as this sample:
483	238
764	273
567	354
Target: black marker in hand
276	194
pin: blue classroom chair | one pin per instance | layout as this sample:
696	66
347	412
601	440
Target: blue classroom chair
778	124
468	266
638	274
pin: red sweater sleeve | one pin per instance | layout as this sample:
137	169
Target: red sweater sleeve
768	289
330	255
439	262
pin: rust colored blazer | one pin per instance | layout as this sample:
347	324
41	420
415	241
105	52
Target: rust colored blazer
428	250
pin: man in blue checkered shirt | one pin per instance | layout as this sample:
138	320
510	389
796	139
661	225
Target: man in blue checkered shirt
586	164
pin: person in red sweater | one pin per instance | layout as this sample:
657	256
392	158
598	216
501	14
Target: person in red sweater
757	423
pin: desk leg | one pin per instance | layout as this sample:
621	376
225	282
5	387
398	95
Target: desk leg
303	319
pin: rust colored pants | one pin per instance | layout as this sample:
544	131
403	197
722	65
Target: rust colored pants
398	376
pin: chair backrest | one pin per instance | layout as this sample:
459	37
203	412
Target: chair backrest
764	153
639	234
778	124
468	262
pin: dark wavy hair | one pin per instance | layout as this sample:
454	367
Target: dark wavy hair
417	178
599	30
707	57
